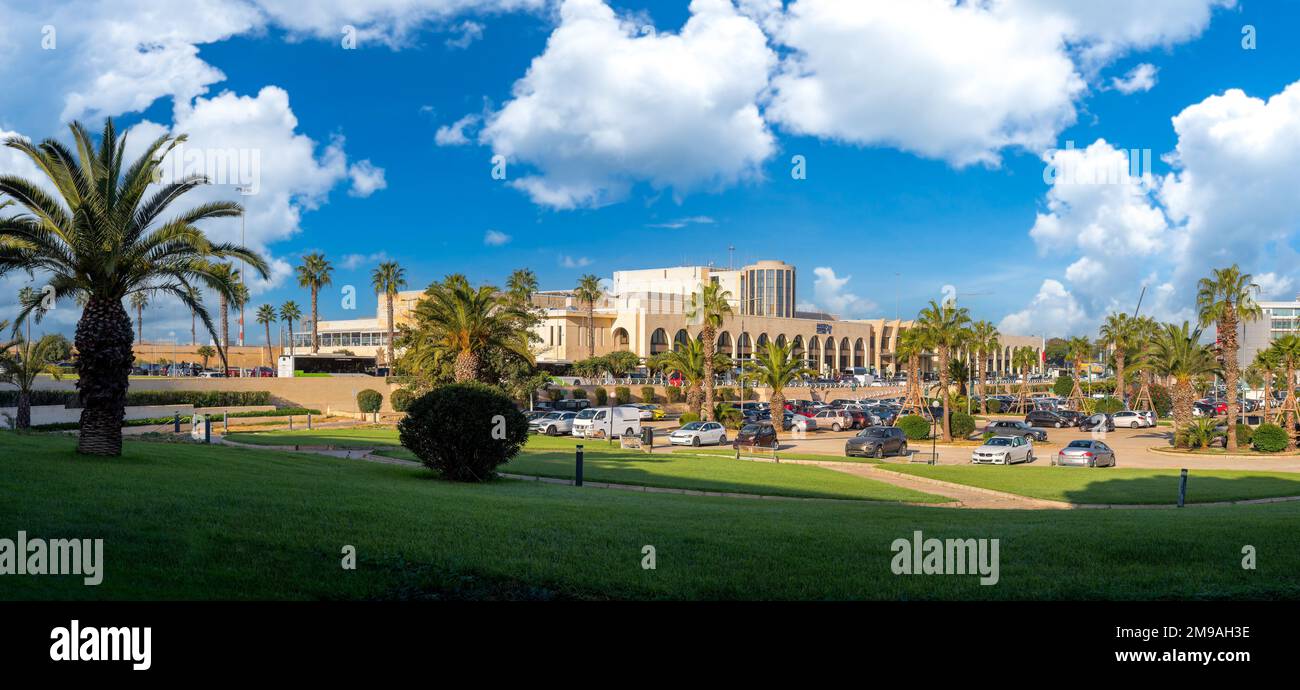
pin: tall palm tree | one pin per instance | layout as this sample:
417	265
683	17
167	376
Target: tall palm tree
522	285
1078	349
196	296
465	323
266	316
1023	359
315	273
775	368
1177	352
239	299
1288	355
227	272
911	346
587	292
1226	298
1267	361
388	279
20	370
289	312
708	306
139	300
947	328
984	339
102	237
687	361
1117	331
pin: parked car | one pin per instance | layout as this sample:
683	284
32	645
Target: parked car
1131	419
553	423
572	405
1085	453
756	435
650	411
1003	450
1015	428
833	419
698	434
1098	421
859	418
1046	418
1072	416
877	442
596	422
799	422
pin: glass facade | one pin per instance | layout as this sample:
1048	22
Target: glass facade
768	291
343	339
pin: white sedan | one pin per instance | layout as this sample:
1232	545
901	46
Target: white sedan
1003	450
1131	419
699	434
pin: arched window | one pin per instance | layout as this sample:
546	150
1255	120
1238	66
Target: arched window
658	341
859	353
682	339
620	339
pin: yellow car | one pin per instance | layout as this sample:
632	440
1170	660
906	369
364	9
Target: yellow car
650	411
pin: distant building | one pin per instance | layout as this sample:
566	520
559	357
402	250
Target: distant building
1280	318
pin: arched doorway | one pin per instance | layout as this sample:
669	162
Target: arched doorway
621	340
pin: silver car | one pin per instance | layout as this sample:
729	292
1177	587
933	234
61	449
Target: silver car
1131	419
1003	450
1085	453
553	423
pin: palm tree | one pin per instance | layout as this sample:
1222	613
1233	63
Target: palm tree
102	238
587	292
688	362
709	305
229	273
206	352
238	299
465	322
911	346
1288	355
775	368
1023	359
314	274
1079	350
984	340
388	279
522	285
266	316
139	300
1118	331
1267	361
196	296
947	329
1177	352
289	312
21	369
1224	300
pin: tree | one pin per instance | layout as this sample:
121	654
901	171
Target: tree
709	305
1288	355
776	368
21	369
139	300
985	340
462	323
266	316
388	279
1079	350
947	328
912	344
228	273
289	312
315	273
206	352
1267	361
1177	352
587	292
1226	298
59	348
687	361
521	286
102	237
238	299
1023	359
1117	331
195	296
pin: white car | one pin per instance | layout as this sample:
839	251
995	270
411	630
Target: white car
600	422
802	423
699	434
1132	419
1003	450
553	423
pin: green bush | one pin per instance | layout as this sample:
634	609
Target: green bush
647	394
401	399
555	394
751	394
464	431
1269	438
1107	405
1064	384
1161	400
369	401
622	395
914	427
675	394
578	393
186	419
688	417
726	394
9	398
602	397
961	424
1244	434
995	406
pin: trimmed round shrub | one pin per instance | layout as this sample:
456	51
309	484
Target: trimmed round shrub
675	394
1244	434
1064	384
961	424
726	394
995	406
579	393
647	394
369	401
688	417
751	394
602	397
622	395
1269	438
401	399
915	427
464	431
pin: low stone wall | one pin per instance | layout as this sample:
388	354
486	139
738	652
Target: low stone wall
58	414
764	394
326	393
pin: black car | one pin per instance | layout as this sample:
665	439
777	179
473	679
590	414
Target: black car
1047	418
1097	421
1073	417
877	442
1005	428
756	434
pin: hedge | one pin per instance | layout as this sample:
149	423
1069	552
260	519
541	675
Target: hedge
688	417
914	427
622	395
961	424
401	399
579	393
1269	438
675	394
602	397
186	419
9	398
1244	434
647	394
1064	385
369	401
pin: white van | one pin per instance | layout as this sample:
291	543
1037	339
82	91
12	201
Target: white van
601	422
861	375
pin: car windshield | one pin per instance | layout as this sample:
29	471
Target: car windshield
586	414
553	415
998	442
872	433
1080	444
751	429
693	426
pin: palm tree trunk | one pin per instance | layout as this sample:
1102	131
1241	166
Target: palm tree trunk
591	329
1290	412
694	399
315	341
103	341
24	420
466	366
709	344
1119	379
943	389
1182	394
224	345
270	354
389	360
776	403
980	367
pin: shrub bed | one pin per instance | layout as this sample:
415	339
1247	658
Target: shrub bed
915	427
647	394
1269	438
464	431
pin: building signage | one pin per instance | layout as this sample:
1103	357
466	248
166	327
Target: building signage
823	329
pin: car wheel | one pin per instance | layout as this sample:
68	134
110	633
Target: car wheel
695	441
902	450
1058	425
880	452
1134	425
722	439
550	430
1030	458
628	432
835	427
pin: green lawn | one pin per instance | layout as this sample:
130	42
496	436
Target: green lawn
348	437
1112	484
190	522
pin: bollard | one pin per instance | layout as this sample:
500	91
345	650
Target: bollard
290	422
225	421
577	477
1182	487
308	421
176	423
207	429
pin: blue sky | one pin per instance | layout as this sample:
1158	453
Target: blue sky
925	158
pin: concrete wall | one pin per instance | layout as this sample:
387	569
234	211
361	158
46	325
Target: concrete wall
327	394
58	414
